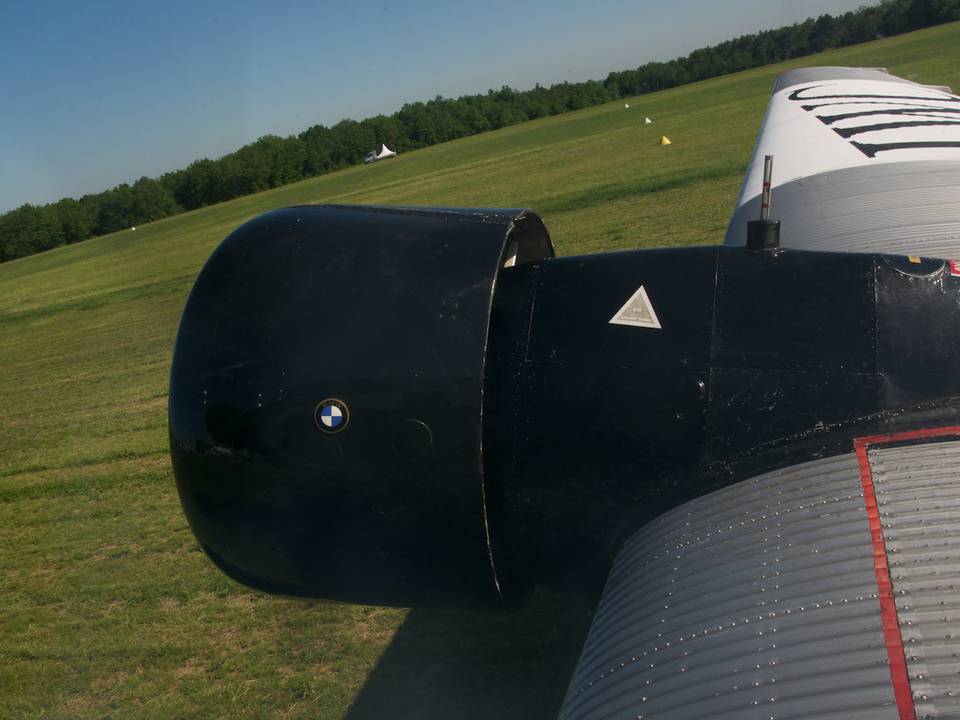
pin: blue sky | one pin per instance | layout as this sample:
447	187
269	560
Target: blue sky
97	93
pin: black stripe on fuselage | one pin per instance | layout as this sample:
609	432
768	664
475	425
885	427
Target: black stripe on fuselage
871	149
860	129
907	105
931	111
795	95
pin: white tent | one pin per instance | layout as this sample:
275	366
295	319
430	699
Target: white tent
647	121
384	153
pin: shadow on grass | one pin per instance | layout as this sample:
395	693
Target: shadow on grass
509	664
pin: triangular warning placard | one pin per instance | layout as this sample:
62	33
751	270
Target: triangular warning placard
637	311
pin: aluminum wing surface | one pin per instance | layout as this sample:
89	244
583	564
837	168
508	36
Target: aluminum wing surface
863	162
826	589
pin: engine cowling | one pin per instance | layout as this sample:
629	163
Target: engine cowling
326	399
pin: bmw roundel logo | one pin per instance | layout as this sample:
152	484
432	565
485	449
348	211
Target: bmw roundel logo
331	415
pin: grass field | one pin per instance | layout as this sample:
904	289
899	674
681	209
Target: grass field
107	607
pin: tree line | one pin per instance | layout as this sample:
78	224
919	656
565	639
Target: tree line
272	161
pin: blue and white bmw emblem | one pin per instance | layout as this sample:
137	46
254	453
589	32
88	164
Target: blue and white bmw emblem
331	415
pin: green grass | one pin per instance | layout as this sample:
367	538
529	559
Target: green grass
107	607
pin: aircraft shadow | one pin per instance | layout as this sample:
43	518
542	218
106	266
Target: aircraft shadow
506	664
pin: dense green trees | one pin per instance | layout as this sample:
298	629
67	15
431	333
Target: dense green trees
272	161
868	23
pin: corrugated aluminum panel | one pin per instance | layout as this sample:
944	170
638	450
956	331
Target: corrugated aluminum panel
760	600
918	494
756	601
896	208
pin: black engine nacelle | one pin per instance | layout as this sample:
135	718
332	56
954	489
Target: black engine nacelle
325	400
402	406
